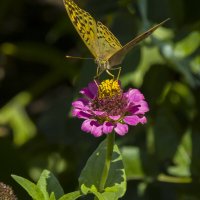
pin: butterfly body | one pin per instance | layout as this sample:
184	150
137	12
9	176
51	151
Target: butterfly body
102	64
105	47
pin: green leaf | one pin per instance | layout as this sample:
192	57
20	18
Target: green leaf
48	184
71	196
42	184
182	158
52	196
136	77
15	115
188	45
195	65
85	189
99	195
132	162
172	179
110	196
90	177
30	187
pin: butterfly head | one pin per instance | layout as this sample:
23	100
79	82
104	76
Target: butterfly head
102	64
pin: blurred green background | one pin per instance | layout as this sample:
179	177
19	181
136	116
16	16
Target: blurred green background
38	84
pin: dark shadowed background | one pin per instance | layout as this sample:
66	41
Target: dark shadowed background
38	84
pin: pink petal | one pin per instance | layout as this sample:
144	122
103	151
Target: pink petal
135	95
143	107
92	87
99	113
107	127
75	112
121	129
83	115
86	125
80	103
96	129
132	120
133	109
115	117
87	93
143	120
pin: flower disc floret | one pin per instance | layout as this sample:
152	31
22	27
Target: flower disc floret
106	108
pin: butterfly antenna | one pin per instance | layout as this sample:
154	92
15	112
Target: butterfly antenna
76	57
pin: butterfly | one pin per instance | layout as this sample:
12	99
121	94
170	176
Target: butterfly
105	47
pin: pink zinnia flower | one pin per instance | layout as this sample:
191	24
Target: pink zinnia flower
105	107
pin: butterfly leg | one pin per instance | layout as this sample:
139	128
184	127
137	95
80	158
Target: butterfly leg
98	73
119	72
96	83
110	74
117	68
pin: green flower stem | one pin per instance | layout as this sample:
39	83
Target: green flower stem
109	151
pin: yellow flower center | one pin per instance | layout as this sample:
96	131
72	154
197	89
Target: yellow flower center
108	89
109	100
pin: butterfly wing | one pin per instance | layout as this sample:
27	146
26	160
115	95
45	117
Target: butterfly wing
118	57
85	25
108	44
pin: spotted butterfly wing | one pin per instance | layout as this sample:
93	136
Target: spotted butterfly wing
97	37
117	58
108	44
85	25
104	46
